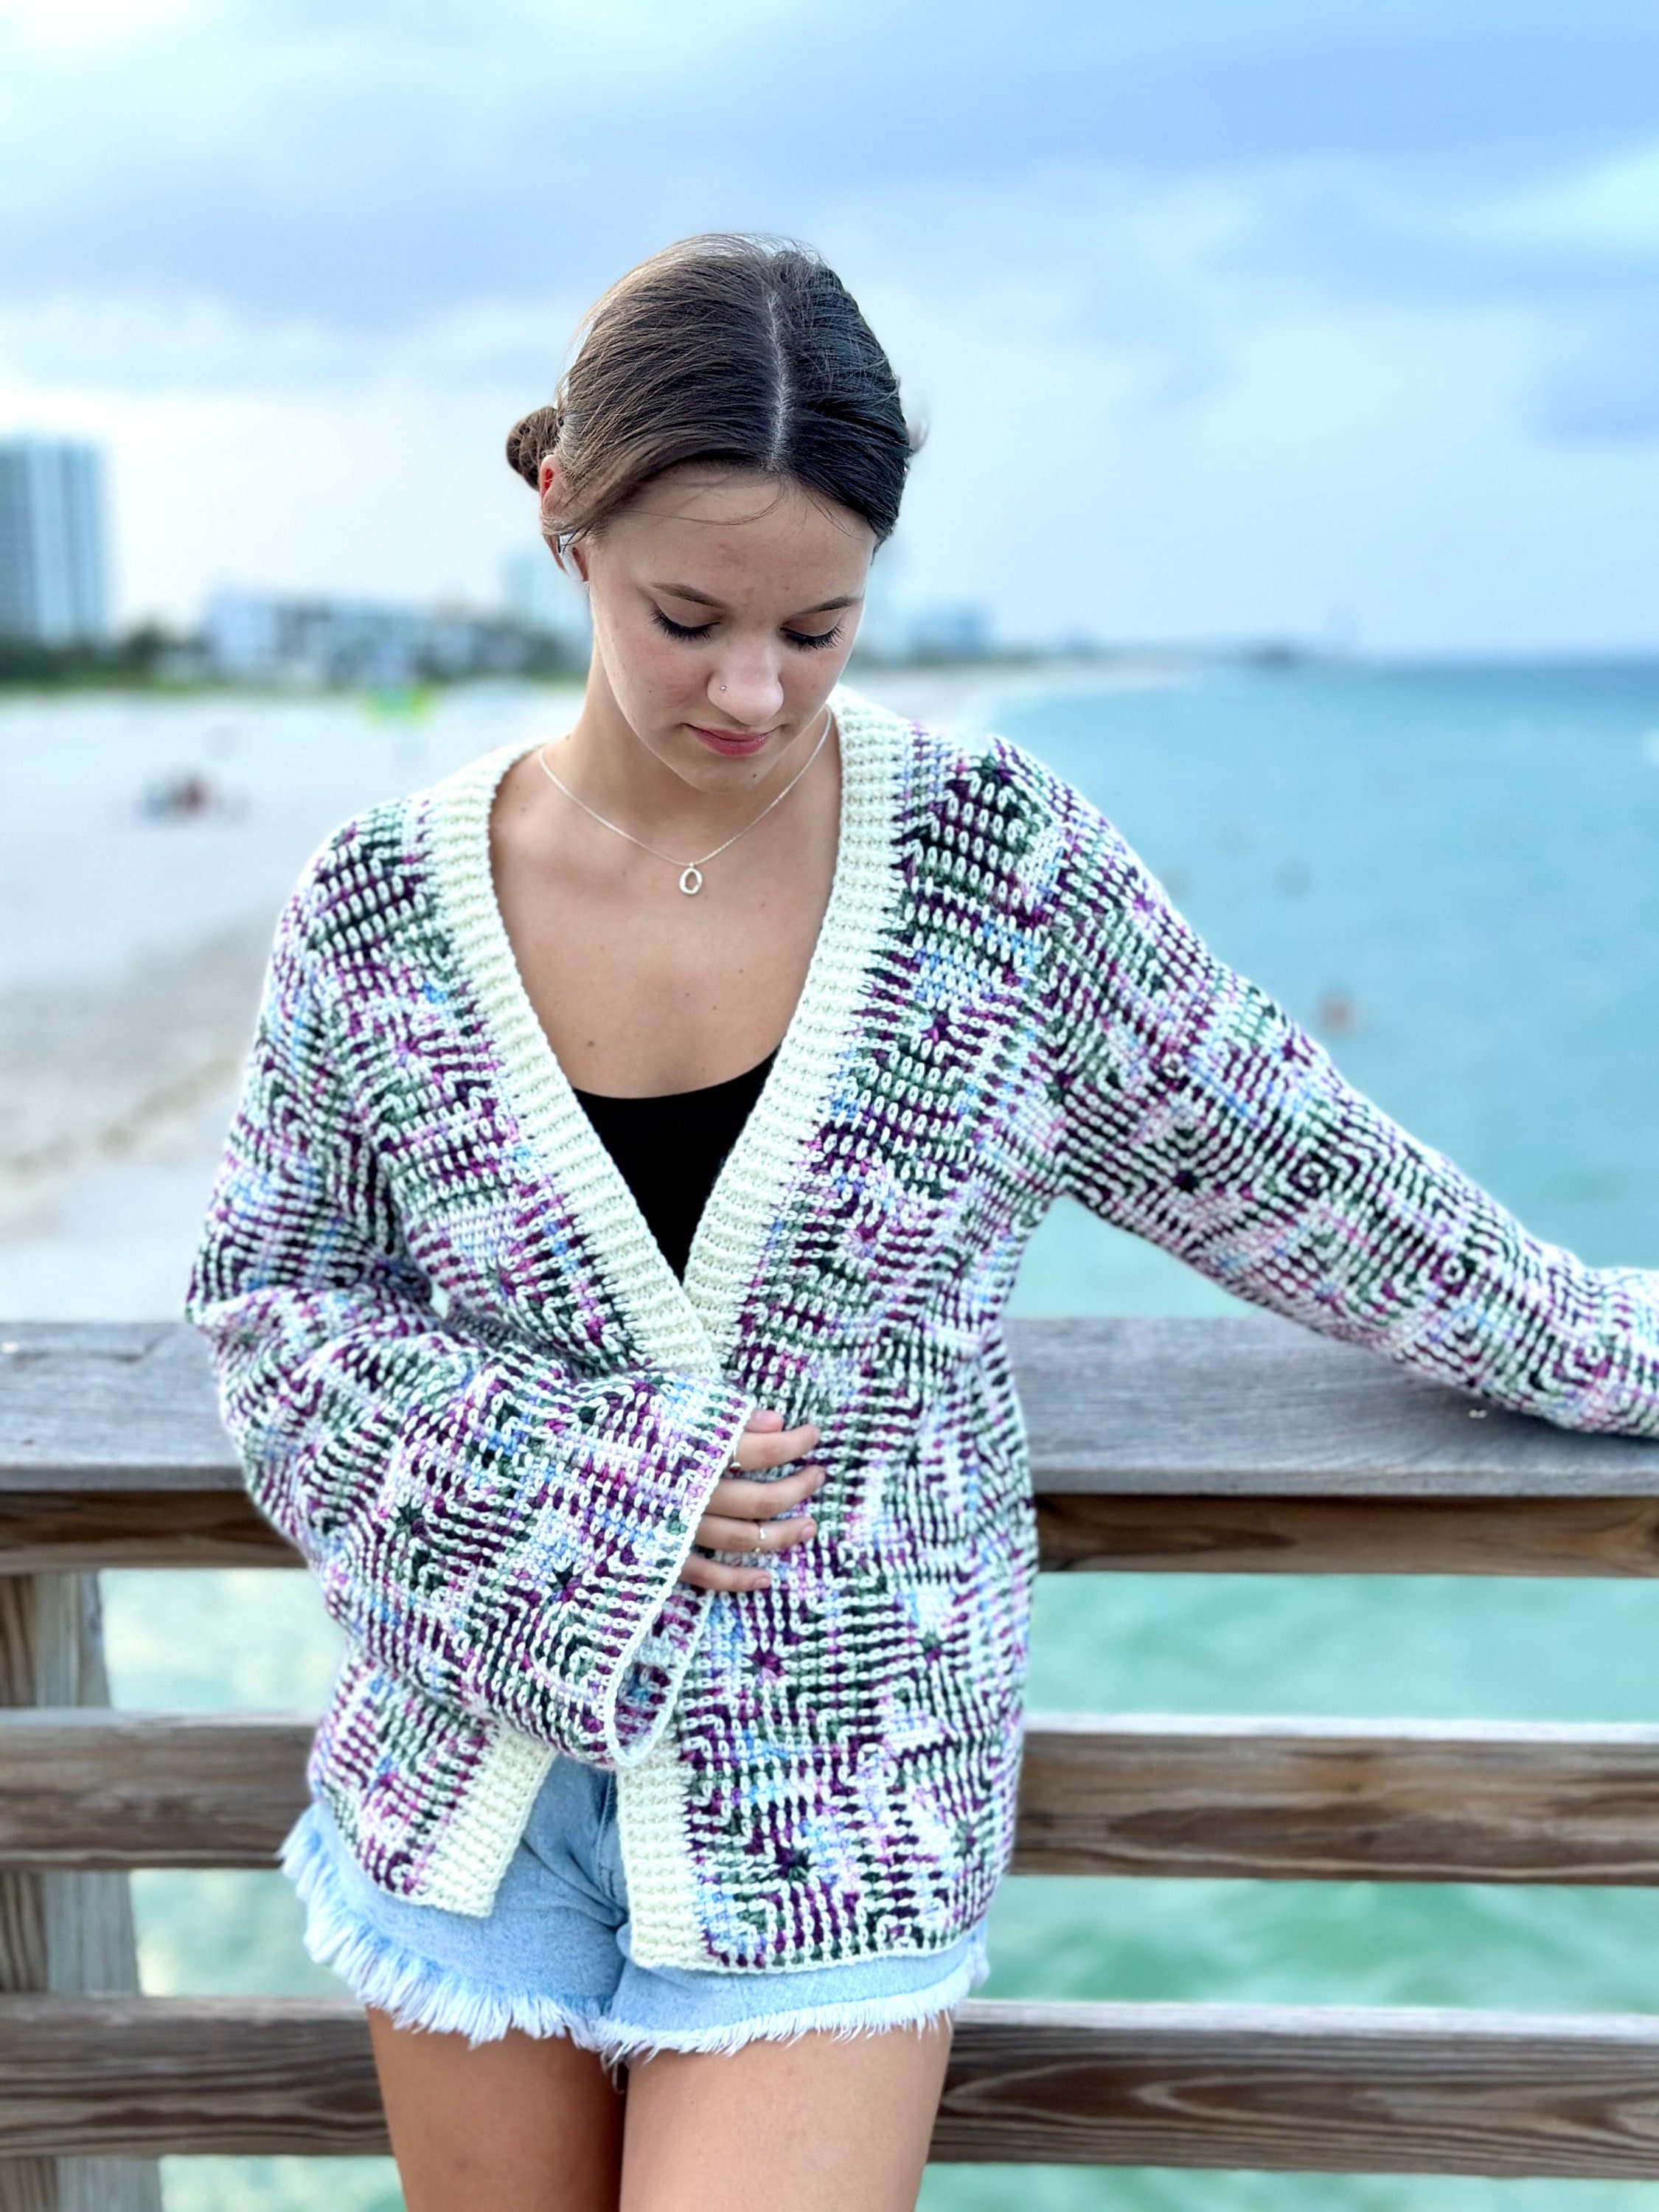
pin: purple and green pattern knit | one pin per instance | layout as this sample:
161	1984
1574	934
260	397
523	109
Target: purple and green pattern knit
466	1383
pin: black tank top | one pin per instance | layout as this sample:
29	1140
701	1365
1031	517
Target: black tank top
669	1149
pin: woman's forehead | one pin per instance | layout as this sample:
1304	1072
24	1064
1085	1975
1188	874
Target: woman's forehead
707	534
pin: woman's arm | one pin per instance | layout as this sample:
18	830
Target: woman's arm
480	1520
1193	1111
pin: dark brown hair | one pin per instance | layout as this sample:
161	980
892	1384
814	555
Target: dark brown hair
731	347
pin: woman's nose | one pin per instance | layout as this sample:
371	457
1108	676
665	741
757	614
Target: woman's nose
752	697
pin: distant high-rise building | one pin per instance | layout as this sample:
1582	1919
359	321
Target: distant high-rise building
54	578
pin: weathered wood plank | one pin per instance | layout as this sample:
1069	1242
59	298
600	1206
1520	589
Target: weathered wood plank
63	1932
1339	1800
253	2076
50	1531
1303	2089
1272	2089
1585	1537
54	1531
109	1406
1143	1794
1231	1405
131	1790
1222	1405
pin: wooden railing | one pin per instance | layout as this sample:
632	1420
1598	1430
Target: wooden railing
1227	1446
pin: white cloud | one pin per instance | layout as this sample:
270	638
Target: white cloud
1221	314
75	26
1604	210
144	342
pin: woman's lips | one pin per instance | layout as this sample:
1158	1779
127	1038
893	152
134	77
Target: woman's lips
729	741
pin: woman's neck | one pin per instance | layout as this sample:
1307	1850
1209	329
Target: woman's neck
605	763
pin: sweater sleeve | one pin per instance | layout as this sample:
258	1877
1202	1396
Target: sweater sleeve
481	1520
1192	1111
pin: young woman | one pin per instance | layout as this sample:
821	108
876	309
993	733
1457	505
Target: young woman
638	1142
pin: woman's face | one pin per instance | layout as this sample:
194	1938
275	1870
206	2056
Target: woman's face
726	602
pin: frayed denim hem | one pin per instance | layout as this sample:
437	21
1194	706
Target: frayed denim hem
416	1993
411	1990
618	2044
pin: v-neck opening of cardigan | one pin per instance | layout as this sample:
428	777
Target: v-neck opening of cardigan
643	1099
687	1322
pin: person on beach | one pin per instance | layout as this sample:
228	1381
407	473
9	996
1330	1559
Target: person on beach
639	1138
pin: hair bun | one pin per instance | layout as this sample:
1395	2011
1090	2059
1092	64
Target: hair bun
529	442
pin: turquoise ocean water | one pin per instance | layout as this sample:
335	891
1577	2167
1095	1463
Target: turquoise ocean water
1451	874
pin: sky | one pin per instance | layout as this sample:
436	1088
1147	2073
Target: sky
1226	317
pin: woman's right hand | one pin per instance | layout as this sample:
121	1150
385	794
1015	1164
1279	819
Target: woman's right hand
736	1506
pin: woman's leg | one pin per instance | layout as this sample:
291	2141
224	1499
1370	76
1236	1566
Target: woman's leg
822	2123
525	2124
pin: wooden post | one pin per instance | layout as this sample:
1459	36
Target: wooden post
64	1933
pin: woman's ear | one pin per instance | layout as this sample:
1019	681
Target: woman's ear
555	487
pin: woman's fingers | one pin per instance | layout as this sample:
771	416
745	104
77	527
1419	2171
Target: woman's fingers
719	1534
715	1575
758	1448
758	1501
738	1508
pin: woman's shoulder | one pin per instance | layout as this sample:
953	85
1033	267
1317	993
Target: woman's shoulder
983	821
961	765
368	878
968	793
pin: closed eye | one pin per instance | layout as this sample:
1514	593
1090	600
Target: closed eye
691	631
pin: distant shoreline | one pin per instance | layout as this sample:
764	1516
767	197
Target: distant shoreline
1111	665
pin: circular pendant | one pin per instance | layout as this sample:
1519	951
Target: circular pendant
692	879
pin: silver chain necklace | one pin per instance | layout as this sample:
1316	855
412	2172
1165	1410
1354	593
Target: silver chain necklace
691	870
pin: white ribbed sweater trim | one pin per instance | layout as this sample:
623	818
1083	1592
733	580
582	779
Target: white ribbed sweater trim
690	1328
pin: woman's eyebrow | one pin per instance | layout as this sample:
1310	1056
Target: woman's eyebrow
703	600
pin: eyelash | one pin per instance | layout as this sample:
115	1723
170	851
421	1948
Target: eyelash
701	629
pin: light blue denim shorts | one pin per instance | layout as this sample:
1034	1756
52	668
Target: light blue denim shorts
553	1957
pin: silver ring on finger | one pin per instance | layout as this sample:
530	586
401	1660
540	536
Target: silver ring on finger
759	1544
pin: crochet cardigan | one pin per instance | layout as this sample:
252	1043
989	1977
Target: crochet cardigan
463	1381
